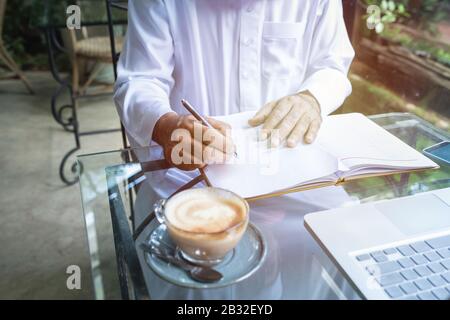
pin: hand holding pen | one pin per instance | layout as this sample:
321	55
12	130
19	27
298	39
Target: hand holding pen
191	141
199	117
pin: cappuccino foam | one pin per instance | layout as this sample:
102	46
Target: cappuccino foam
204	211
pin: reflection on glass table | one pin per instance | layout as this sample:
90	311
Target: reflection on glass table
119	189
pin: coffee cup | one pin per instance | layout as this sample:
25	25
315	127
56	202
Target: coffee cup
205	223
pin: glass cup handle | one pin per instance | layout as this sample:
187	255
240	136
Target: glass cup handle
158	208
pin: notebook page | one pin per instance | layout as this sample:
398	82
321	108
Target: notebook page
360	143
260	170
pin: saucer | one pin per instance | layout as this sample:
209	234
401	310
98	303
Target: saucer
237	265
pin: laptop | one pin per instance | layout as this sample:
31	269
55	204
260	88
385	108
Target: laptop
394	249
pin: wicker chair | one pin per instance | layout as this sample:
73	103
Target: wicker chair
96	49
5	58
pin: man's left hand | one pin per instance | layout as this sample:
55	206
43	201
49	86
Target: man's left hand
293	117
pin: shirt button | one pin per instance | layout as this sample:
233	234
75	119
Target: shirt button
245	75
248	41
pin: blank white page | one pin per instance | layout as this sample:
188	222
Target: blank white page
359	142
260	170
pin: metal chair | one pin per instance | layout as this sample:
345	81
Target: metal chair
79	47
115	53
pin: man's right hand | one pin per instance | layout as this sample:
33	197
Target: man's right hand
189	145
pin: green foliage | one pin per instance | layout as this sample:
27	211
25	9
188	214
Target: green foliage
443	56
432	12
438	53
384	12
21	38
24	20
426	15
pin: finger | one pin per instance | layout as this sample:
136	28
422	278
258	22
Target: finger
275	117
207	135
287	125
186	153
262	114
299	131
213	138
187	122
225	129
197	151
189	167
312	131
214	156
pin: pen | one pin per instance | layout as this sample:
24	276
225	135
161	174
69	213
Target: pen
197	116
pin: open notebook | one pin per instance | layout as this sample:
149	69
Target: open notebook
349	146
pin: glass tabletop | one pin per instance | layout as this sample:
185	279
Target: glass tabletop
119	188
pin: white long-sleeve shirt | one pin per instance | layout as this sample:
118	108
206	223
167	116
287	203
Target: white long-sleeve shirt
227	56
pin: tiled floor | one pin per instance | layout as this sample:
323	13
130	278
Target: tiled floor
41	224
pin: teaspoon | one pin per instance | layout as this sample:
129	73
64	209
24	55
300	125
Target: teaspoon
201	274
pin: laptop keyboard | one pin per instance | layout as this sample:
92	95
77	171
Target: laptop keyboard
419	270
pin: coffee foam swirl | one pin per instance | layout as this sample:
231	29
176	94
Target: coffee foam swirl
204	212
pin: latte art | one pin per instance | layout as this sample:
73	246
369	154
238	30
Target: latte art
204	214
205	223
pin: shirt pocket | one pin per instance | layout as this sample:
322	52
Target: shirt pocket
280	46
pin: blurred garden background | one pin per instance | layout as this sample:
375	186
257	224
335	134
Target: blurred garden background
403	63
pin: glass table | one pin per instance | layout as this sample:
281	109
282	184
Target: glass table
118	189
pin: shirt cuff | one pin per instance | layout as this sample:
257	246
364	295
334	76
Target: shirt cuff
330	87
139	111
143	136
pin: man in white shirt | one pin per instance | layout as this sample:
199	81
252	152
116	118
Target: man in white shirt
287	58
